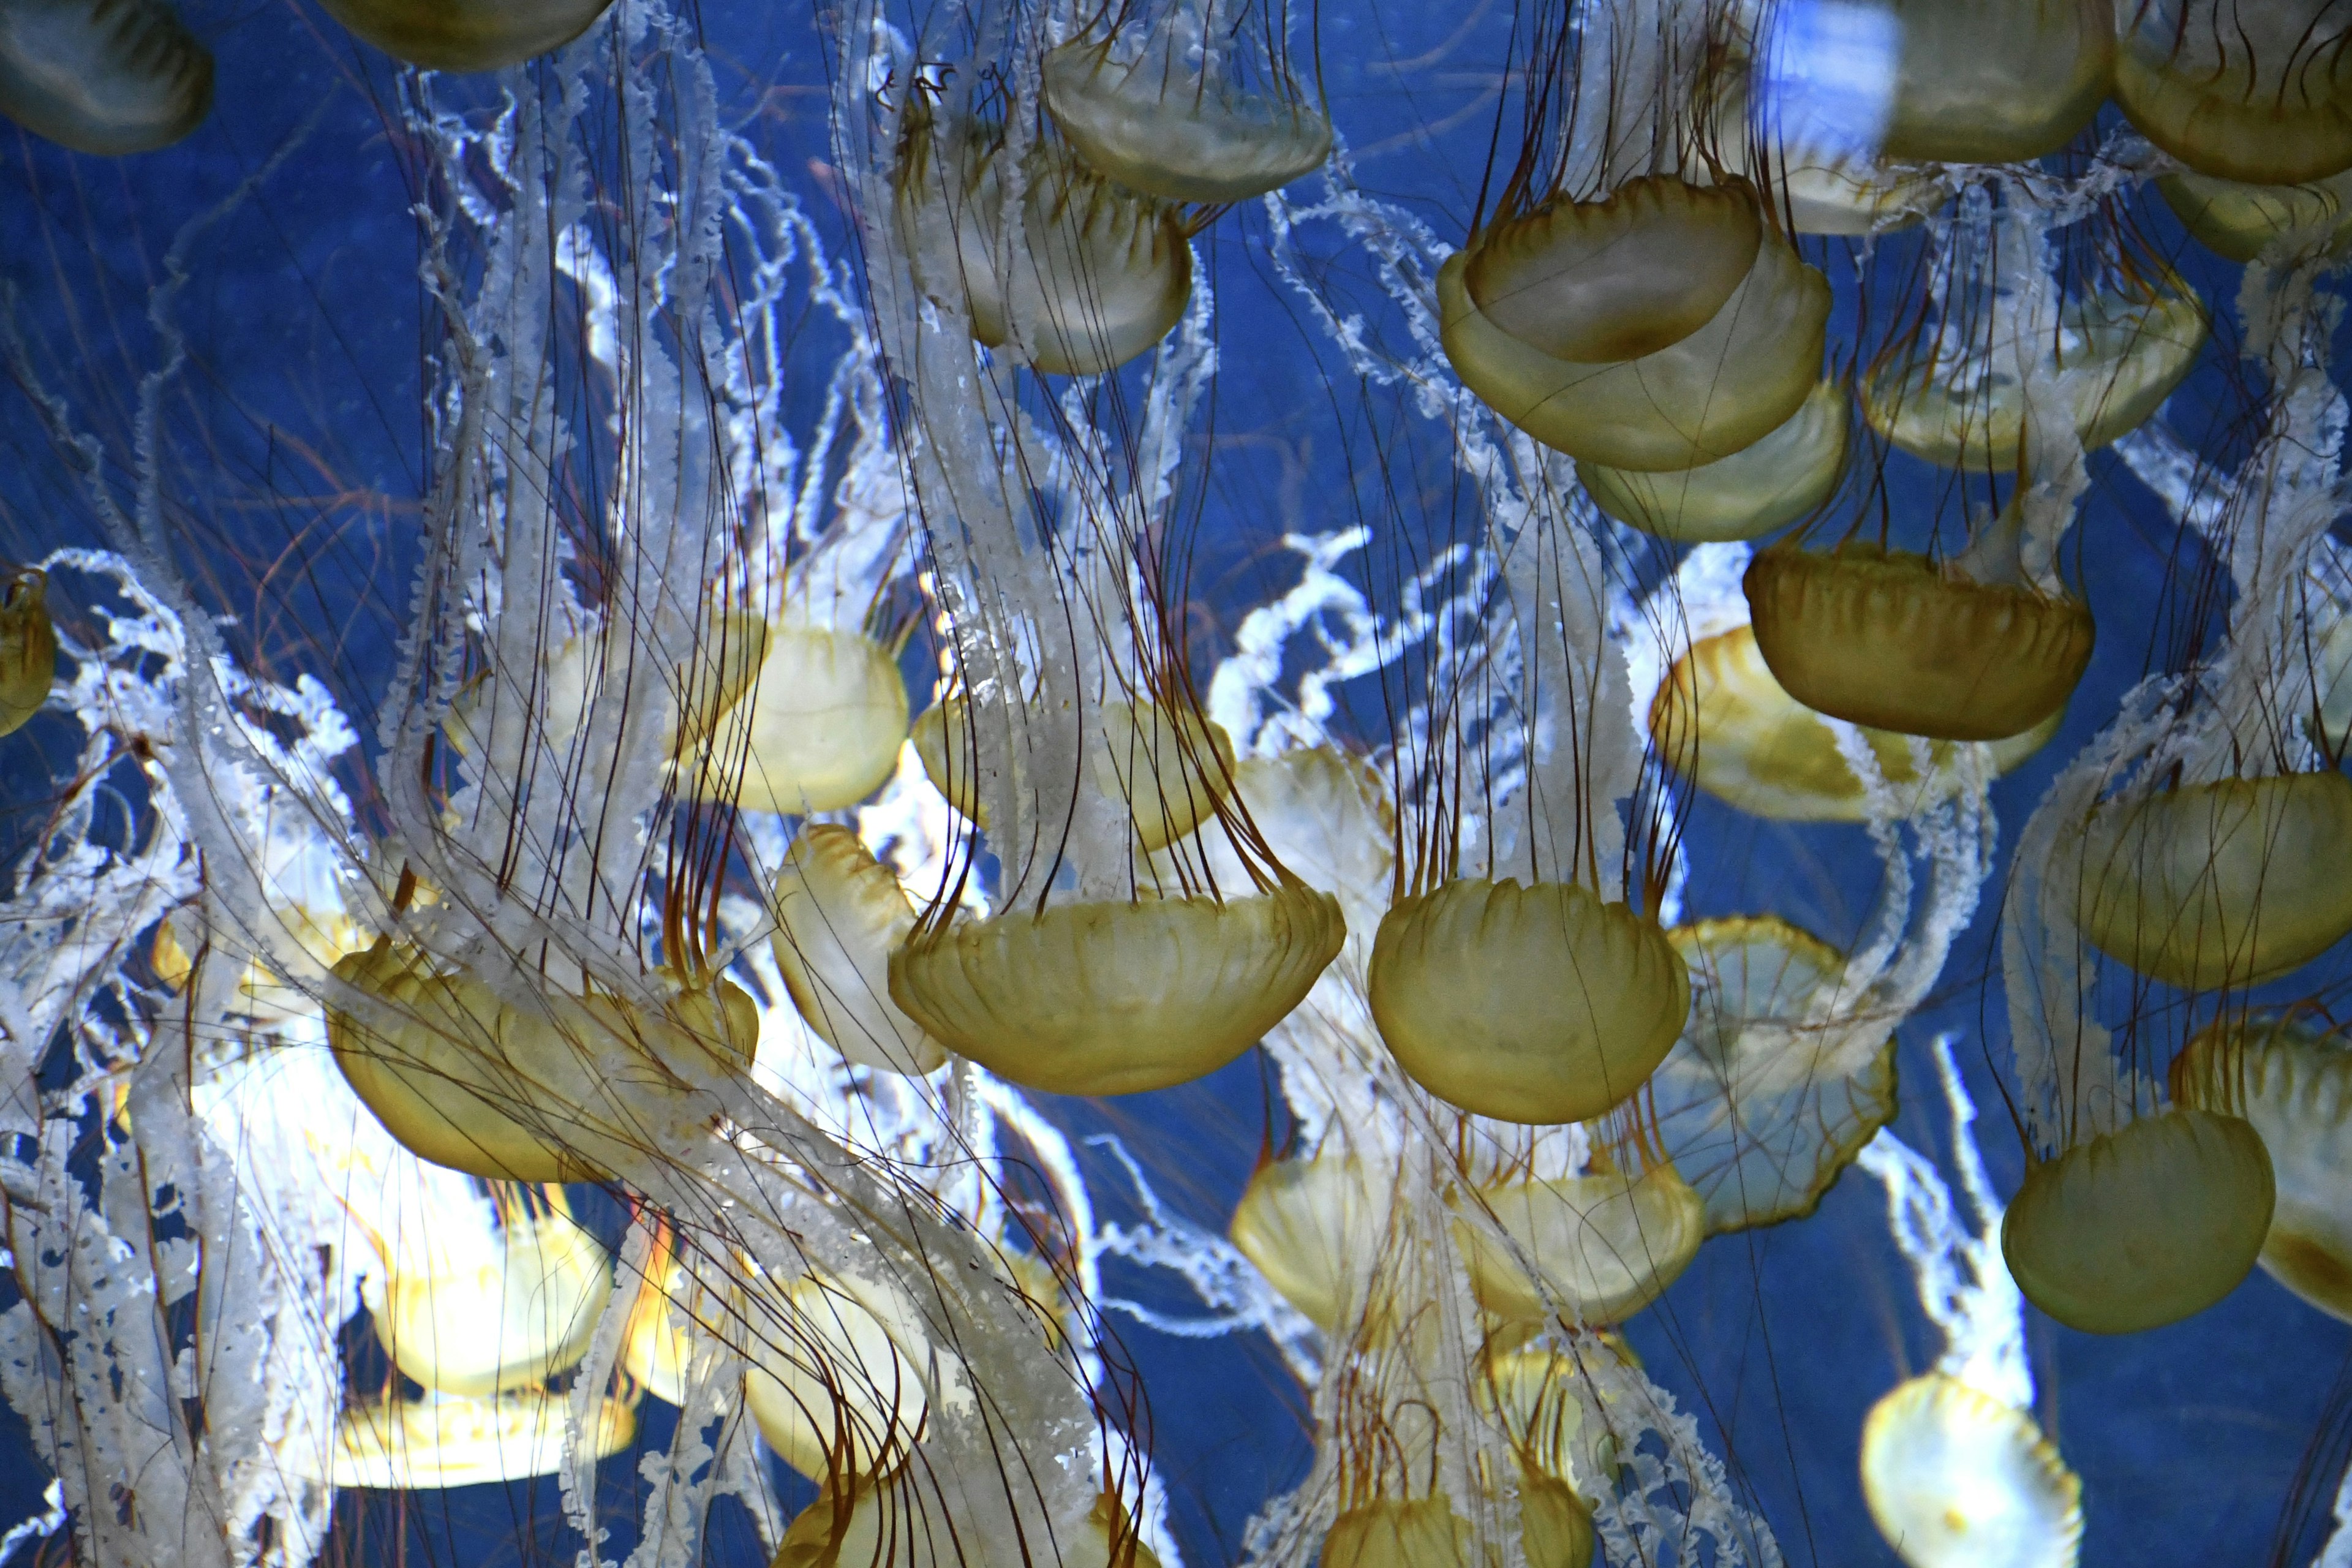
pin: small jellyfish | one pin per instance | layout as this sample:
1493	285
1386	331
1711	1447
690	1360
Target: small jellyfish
1314	1228
1555	1530
821	729
1172	767
2239	222
1117	997
1955	1478
1759	749
1533	1005
1606	1244
839	915
479	1326
1896	641
1156	126
429	1445
1780	478
2226	883
102	76
28	650
1716	327
2257	90
1105	274
2293	1082
832	1383
467	35
2142	1227
916	1523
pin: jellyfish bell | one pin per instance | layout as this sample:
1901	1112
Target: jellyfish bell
1890	639
2239	222
28	650
2142	1227
428	1445
1534	1005
1722	387
1815	179
1606	1244
1105	272
834	1385
2255	90
1782	477
1955	1478
1170	763
1556	1531
909	1523
467	35
1172	134
1985	81
2293	1081
1100	997
1325	815
483	1325
1762	751
108	77
1315	1229
839	915
820	728
2226	883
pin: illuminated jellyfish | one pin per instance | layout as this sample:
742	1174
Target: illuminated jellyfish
2241	222
1313	1229
28	651
2291	1080
1607	1243
103	75
2258	91
1782	477
467	35
429	1445
1102	274
839	915
1162	109
832	1383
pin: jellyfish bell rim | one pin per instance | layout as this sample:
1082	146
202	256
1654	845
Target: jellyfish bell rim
1946	1413
2197	122
1161	152
1781	478
79	103
448	35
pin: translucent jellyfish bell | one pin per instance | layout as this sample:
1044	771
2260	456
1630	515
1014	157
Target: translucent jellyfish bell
102	76
821	728
932	1519
832	1383
1534	1005
1955	1478
1312	1228
479	1326
1105	272
2294	1083
1169	132
467	35
1115	998
1606	1244
2239	222
1890	639
1996	82
1171	766
2142	1227
2258	91
2232	882
1556	1531
1325	814
1780	478
28	650
839	915
432	1443
1762	751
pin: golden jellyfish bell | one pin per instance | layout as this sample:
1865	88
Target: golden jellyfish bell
1313	1228
1599	281
820	729
1889	640
833	1385
906	1523
1536	1396
1759	1110
2119	354
1759	749
2144	1226
2258	91
102	76
1534	1005
1325	814
28	649
1995	82
1156	131
1115	998
487	1325
839	915
1555	1527
1723	387
1106	273
1172	765
1780	478
1606	1244
2228	883
1955	1478
2294	1083
467	35
429	1445
2239	222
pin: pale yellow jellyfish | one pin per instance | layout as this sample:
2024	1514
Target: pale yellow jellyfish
1716	328
1605	1245
1115	998
839	915
1315	1228
2118	356
1325	815
1994	81
102	76
1722	718
1171	765
821	727
28	650
834	1385
2293	1082
430	1444
911	1523
1104	273
2226	883
1157	125
1895	640
1780	478
1955	1478
2258	91
467	35
2142	1227
2240	221
1765	1099
477	1326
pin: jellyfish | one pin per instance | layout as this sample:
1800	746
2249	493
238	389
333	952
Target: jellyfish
1782	477
1311	1228
2238	90
839	915
820	728
2239	222
1607	1243
28	651
467	35
832	1386
437	1444
108	77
